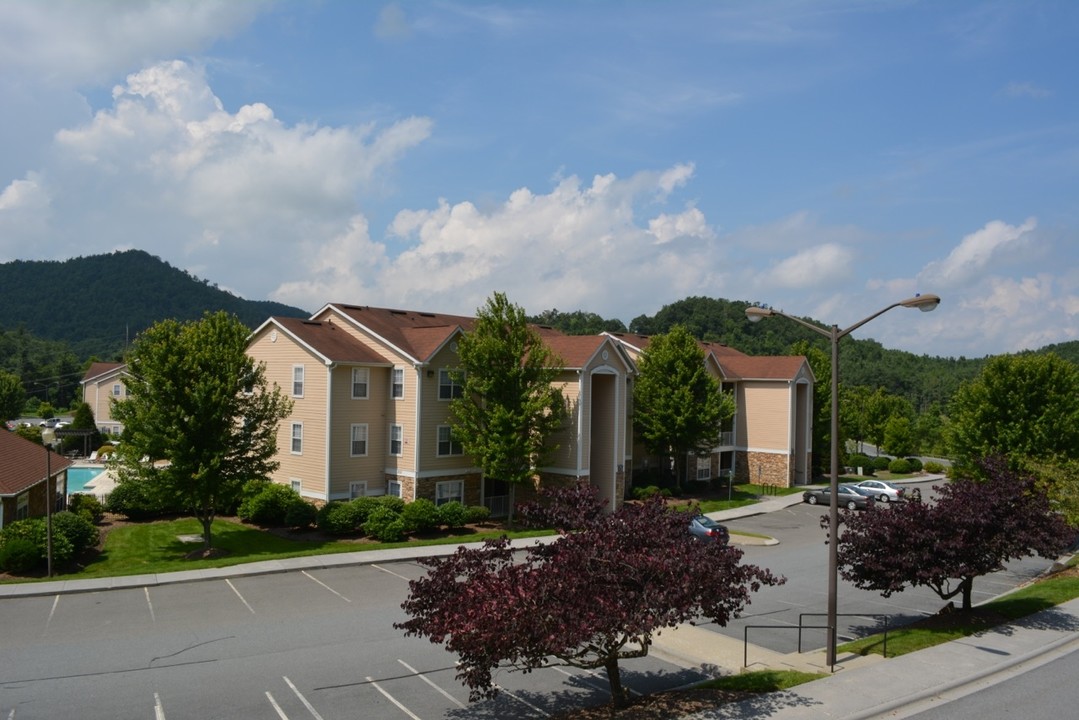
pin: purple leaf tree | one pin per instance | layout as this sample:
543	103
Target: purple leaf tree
595	596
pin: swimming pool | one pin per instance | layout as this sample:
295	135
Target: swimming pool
77	477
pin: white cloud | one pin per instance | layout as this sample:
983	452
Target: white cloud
977	253
814	267
578	246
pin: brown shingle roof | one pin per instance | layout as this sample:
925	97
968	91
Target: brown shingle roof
417	334
575	350
768	367
100	368
22	463
330	341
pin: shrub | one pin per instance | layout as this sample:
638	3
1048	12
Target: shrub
453	514
35	530
79	531
861	461
643	493
392	502
933	467
269	505
899	466
362	507
881	462
338	518
915	464
19	555
301	514
385	525
478	513
421	515
88	506
134	500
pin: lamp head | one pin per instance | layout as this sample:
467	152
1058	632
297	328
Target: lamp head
925	303
755	313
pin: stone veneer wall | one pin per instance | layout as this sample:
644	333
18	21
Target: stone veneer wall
425	488
774	468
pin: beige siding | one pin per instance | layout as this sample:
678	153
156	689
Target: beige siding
281	357
765	421
565	457
347	411
433	413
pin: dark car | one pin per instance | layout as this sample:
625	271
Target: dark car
706	529
850	497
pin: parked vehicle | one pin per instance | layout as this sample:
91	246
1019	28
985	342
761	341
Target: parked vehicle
706	529
883	491
850	497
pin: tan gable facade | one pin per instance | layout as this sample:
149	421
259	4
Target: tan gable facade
103	384
371	390
769	440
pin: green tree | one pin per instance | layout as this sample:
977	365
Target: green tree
881	407
509	406
1025	407
83	419
853	416
899	437
12	396
197	401
679	406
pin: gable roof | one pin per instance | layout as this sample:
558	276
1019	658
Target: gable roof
577	351
328	341
416	335
98	370
767	367
24	463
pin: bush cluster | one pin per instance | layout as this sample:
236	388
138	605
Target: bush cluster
390	519
899	466
643	493
934	467
861	461
24	543
134	500
88	506
275	505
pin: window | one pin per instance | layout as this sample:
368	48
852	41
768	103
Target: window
295	484
704	467
360	376
22	508
297	381
359	440
393	487
396	439
297	438
397	388
116	390
356	489
447	443
448	385
449	491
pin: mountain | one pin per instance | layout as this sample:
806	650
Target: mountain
97	304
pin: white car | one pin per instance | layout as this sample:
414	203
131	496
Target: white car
883	491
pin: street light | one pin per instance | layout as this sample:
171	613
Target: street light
925	303
48	438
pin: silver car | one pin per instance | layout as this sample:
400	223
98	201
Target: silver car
883	491
850	497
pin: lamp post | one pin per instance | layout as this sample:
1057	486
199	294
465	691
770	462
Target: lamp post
925	303
48	437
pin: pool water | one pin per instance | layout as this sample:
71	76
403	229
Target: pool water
77	477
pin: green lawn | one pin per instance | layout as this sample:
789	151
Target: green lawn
154	547
746	494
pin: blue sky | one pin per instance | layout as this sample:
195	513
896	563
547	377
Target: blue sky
827	158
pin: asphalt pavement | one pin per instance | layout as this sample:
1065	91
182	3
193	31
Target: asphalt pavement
858	687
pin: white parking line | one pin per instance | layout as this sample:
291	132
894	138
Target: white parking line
240	596
153	618
48	622
309	706
325	586
601	682
427	680
280	713
392	699
159	709
391	572
541	711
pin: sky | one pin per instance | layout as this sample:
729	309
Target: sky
826	158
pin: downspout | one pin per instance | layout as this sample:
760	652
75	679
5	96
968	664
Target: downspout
420	370
580	422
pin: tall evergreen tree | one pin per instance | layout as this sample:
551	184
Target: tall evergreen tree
198	402
12	396
679	407
509	405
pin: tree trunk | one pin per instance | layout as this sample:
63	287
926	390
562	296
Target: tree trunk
614	677
207	522
968	589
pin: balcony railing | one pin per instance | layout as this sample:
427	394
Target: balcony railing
499	505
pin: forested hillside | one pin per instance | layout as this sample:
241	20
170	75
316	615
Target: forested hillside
96	304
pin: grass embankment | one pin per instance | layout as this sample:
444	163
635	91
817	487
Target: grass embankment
761	681
742	495
1040	595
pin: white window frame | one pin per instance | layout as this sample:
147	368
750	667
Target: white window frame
116	390
445	435
354	430
22	506
448	491
704	467
296	438
296	484
397	437
448	388
397	383
393	487
297	381
361	376
357	489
